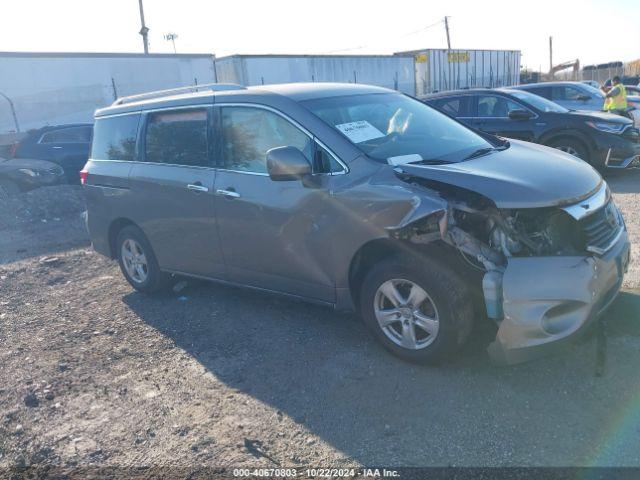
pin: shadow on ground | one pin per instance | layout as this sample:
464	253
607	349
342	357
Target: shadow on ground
624	181
324	370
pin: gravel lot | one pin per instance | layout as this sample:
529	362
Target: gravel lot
96	374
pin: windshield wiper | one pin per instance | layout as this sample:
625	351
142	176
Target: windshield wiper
432	161
480	152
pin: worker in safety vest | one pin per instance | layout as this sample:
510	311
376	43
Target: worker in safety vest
615	98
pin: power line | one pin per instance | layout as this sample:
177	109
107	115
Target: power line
420	30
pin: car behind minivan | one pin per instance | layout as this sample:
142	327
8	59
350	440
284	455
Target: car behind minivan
604	140
362	199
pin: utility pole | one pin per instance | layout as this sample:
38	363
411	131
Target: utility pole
144	31
551	55
446	27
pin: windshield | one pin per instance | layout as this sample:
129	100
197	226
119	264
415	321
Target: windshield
386	126
592	90
537	101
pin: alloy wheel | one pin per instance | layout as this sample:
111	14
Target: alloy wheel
406	314
569	149
134	260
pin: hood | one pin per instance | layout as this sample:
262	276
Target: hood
597	115
525	175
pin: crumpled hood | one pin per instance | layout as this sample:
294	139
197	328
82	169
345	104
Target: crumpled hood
525	175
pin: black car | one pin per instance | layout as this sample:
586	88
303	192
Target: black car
66	145
604	140
22	174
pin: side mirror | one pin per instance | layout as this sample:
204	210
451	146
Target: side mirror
287	163
520	114
583	97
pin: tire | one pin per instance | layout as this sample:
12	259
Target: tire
448	300
571	146
8	188
138	262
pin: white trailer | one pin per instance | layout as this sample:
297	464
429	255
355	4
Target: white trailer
391	71
438	70
58	88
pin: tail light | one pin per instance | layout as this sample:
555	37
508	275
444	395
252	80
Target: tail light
13	150
83	176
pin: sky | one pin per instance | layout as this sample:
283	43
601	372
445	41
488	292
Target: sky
591	31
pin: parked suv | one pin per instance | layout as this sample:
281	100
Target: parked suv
66	145
571	95
602	139
360	198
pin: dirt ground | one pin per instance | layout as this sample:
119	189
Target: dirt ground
94	373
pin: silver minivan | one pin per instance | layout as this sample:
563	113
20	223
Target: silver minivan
362	199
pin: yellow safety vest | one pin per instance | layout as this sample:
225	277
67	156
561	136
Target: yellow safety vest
619	102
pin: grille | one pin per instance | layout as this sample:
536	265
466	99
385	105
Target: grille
601	228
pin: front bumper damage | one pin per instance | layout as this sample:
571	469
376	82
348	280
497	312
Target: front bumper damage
545	301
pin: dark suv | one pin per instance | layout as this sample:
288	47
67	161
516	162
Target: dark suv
359	198
66	145
602	139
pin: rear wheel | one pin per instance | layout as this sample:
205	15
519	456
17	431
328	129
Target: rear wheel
420	311
138	262
572	147
8	188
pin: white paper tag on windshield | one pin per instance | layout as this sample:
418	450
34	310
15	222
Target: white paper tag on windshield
402	159
360	131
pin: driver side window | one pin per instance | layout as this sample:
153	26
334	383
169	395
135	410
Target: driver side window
249	132
496	106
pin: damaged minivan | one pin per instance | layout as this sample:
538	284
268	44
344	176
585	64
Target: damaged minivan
363	199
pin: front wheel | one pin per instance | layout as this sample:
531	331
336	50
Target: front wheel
138	261
572	147
420	311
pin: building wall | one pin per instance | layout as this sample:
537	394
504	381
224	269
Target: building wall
49	89
438	70
391	71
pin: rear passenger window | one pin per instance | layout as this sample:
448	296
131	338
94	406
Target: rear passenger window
542	91
68	135
455	107
114	138
177	137
248	133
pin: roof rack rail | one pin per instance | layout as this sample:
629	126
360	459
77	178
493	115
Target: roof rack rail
216	87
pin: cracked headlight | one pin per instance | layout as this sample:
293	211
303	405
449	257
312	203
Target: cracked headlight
607	126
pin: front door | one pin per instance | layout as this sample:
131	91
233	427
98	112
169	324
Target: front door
493	117
172	191
272	232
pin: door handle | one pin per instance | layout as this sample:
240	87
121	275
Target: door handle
228	193
197	187
56	148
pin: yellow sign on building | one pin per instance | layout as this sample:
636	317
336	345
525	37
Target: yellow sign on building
421	58
458	57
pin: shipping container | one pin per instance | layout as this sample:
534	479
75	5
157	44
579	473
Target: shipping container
57	88
390	71
438	70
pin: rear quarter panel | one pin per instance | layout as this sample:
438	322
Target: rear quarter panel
108	198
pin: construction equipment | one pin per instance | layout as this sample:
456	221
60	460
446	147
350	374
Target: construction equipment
564	66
